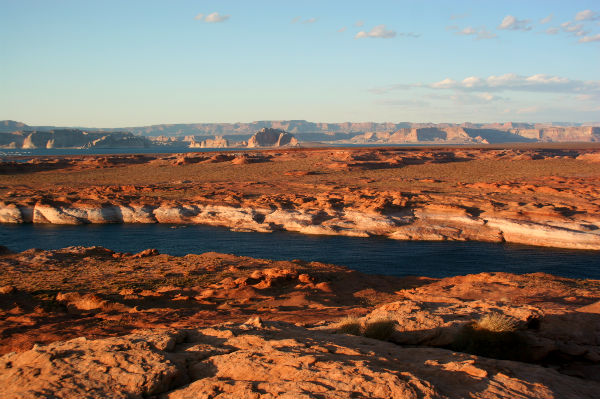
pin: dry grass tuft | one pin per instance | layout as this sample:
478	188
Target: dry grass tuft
497	322
381	329
349	325
494	335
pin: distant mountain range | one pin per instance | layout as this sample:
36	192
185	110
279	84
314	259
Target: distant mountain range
19	135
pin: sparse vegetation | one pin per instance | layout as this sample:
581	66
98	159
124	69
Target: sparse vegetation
493	335
497	322
380	329
349	325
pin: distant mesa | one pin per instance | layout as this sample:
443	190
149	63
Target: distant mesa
289	133
70	138
217	142
12	126
267	137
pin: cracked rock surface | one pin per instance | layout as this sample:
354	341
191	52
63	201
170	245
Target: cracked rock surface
269	360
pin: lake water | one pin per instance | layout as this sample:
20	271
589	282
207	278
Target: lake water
368	255
11	153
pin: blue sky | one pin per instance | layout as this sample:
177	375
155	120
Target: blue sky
129	63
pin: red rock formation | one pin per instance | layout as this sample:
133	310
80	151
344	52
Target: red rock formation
272	138
554	206
265	360
95	292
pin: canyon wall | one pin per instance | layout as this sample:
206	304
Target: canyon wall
71	138
342	133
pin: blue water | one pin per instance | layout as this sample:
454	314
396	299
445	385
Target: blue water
369	255
9	153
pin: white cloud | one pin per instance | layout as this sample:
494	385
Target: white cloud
342	29
588	39
552	31
295	19
479	33
359	23
539	83
587	15
444	84
547	19
574	29
212	18
472	81
378	31
487	96
512	23
511	81
569	27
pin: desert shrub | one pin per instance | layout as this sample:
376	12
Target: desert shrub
381	329
349	325
497	322
494	336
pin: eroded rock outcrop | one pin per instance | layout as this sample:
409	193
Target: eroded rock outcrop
413	223
71	138
96	292
217	142
267	360
549	198
267	137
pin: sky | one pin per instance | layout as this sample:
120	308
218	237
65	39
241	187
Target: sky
141	62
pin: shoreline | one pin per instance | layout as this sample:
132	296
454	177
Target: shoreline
443	224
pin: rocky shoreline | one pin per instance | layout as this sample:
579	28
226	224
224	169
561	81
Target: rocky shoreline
431	223
534	196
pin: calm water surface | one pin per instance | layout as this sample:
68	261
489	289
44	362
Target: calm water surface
369	255
7	154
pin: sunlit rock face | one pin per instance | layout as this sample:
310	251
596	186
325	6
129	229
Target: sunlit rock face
272	138
266	360
71	138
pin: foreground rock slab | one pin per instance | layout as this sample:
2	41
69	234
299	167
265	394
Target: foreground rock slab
50	296
269	360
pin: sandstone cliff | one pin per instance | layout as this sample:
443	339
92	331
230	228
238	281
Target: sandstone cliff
471	132
71	138
560	134
267	137
358	133
217	142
